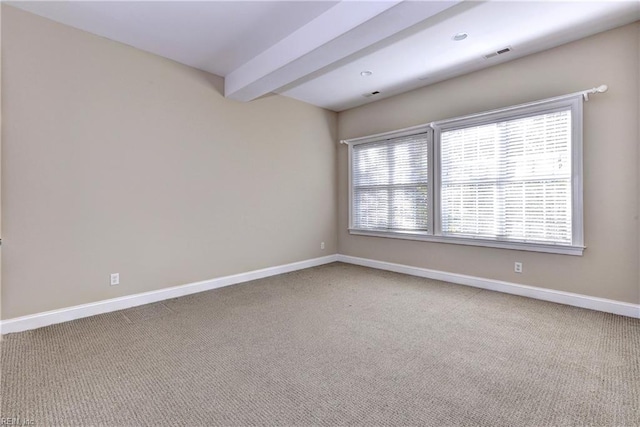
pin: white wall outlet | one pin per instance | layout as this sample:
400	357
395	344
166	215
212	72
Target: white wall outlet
115	279
322	245
518	267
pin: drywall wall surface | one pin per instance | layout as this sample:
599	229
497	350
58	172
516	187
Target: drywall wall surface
118	161
609	266
0	163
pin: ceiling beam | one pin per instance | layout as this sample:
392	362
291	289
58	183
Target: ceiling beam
343	30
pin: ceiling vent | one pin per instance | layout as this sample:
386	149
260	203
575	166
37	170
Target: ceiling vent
498	52
368	95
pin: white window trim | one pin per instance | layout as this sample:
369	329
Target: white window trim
573	101
518	246
415	130
575	105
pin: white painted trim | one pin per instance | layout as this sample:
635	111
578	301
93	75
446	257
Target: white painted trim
410	131
39	320
472	241
560	297
388	136
572	101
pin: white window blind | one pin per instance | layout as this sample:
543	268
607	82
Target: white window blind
390	184
508	180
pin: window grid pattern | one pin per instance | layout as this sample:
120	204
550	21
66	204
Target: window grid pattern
508	180
390	184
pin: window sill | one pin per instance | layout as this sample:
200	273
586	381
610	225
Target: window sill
519	246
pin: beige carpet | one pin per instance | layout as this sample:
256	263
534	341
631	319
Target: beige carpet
332	345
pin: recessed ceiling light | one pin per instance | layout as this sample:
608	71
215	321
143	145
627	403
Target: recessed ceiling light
366	73
460	36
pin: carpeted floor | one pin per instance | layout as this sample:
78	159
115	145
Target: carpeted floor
331	345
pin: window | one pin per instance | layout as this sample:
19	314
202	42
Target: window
509	178
390	184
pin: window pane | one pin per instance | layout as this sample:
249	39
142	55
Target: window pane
409	208
390	184
371	208
509	180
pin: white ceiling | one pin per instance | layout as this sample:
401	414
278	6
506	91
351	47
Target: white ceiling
314	51
216	36
426	53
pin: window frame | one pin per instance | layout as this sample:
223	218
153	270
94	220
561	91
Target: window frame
415	130
573	103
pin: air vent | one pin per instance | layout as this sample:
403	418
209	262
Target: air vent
368	95
498	52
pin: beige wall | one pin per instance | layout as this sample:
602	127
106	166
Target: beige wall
115	160
609	267
0	162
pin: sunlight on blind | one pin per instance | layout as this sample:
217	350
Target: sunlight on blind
509	180
390	184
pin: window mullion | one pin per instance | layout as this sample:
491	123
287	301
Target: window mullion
391	169
434	182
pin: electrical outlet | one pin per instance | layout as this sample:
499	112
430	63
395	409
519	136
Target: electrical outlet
518	267
322	245
115	279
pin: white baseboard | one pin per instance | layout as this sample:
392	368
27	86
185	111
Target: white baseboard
567	298
39	320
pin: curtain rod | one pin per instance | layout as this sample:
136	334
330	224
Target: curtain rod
584	93
599	89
